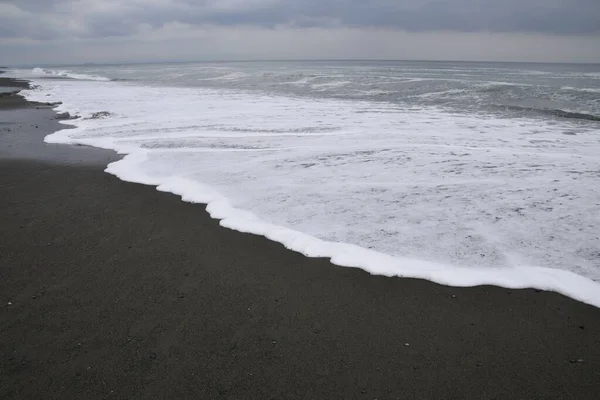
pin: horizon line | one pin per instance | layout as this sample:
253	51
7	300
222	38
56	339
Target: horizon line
99	63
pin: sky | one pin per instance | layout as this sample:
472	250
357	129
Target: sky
102	31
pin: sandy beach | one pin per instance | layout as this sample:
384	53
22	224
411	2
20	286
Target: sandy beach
114	290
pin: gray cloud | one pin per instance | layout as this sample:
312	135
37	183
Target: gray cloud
48	19
74	31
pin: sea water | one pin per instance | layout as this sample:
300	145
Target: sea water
460	173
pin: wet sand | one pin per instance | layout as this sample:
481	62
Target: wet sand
114	290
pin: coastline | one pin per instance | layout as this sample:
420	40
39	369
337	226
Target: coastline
118	289
23	131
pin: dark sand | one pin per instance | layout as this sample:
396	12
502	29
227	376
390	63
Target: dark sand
23	126
114	290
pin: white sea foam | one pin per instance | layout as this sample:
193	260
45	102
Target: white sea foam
419	193
574	89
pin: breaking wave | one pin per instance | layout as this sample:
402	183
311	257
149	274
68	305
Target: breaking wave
49	73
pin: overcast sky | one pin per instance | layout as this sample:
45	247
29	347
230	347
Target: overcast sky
77	31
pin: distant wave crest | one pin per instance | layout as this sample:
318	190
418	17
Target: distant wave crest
67	75
552	112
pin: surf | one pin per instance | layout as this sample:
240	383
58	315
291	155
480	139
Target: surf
414	192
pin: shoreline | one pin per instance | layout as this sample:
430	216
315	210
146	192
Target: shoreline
566	282
118	289
35	126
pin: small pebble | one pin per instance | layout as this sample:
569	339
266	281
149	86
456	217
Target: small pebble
407	344
180	296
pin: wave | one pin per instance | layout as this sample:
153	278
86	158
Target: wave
492	86
552	112
233	76
337	187
585	90
67	75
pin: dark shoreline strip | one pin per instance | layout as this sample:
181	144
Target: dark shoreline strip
115	289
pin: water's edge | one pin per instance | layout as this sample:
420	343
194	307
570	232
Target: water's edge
343	254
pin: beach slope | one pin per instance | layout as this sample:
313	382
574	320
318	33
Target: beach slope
114	290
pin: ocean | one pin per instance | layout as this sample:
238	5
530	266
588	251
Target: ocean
460	173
